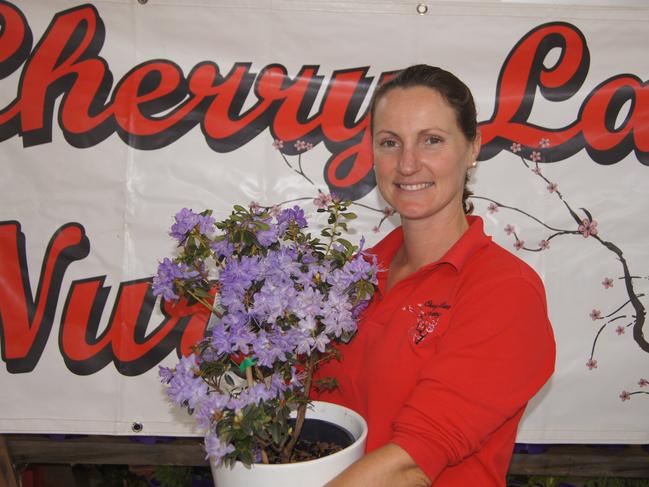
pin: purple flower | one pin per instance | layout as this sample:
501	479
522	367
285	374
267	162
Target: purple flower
210	408
168	272
165	373
291	215
187	220
185	387
216	449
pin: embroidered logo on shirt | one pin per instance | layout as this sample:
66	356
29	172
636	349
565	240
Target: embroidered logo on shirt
427	315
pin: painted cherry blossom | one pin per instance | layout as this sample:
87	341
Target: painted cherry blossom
544	245
509	229
536	170
625	396
588	227
595	315
607	283
619	330
544	143
376	229
552	187
643	382
519	244
387	211
536	156
515	147
591	364
492	208
278	144
302	145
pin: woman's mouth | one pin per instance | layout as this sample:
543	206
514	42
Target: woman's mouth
414	187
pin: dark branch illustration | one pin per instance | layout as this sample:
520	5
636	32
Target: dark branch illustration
631	313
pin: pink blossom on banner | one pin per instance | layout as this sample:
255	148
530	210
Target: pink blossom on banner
278	144
607	283
519	244
537	170
544	245
595	315
643	382
625	396
375	229
255	206
492	208
300	145
591	364
536	156
544	143
387	211
509	229
515	148
588	227
619	330
552	187
275	210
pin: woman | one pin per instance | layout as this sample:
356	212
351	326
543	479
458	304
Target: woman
457	339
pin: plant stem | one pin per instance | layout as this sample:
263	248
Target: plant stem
249	378
301	411
264	456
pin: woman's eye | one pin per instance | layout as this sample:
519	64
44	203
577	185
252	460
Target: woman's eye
388	143
433	139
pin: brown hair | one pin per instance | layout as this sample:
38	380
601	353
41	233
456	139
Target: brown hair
452	90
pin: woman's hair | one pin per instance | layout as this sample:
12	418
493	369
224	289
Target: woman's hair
452	90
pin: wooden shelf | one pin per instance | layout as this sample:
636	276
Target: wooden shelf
560	460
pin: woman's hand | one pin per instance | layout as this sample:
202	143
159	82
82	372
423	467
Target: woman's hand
389	466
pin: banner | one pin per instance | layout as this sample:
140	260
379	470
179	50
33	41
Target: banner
114	115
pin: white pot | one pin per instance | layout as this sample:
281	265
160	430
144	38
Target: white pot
303	474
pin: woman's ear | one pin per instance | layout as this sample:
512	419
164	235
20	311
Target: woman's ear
476	144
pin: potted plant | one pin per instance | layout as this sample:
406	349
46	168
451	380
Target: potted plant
281	299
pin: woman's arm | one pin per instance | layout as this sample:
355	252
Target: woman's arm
388	466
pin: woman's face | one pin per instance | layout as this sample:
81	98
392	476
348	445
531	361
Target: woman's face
421	156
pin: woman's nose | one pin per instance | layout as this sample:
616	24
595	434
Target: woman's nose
409	161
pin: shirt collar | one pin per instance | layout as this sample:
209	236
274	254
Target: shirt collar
472	240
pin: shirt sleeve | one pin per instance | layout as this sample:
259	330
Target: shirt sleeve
497	352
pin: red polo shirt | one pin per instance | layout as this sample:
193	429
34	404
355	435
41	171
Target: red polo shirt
445	362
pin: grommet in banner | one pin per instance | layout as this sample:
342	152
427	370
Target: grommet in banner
422	9
142	2
136	426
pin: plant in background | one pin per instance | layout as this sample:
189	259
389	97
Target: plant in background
280	299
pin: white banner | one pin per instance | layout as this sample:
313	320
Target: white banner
116	114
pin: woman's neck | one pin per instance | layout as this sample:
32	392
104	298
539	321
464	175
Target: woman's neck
424	242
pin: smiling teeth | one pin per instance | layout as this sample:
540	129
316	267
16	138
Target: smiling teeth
415	187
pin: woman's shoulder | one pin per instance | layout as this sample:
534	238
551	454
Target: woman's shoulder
493	265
